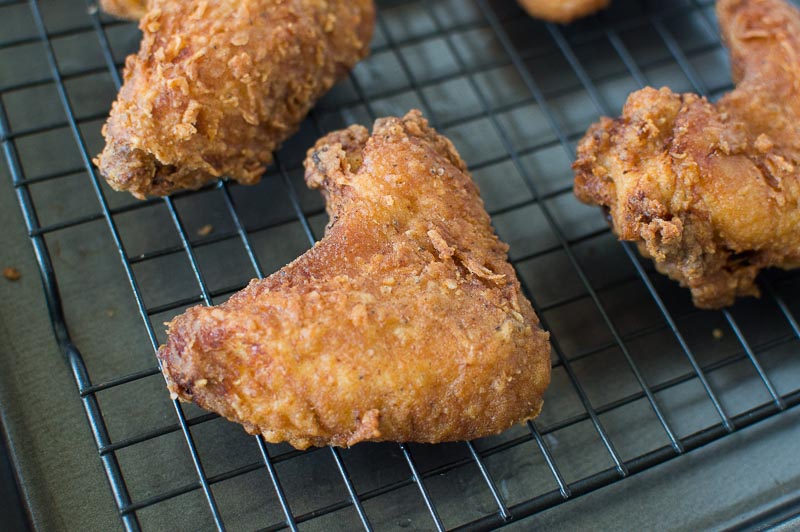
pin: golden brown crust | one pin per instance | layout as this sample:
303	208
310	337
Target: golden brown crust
710	191
129	9
404	323
217	86
562	11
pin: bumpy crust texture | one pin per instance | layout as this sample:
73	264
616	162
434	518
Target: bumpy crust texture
562	11
710	191
404	323
217	86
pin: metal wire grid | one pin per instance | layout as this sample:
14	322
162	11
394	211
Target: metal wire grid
448	25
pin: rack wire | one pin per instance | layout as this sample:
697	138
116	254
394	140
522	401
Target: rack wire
639	376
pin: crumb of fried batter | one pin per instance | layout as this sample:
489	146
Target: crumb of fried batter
11	273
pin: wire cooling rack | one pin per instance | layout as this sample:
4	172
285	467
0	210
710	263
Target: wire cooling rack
639	375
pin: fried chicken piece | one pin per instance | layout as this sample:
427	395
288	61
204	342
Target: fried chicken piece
562	11
710	191
404	323
129	9
217	86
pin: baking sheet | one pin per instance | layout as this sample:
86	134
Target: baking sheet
442	67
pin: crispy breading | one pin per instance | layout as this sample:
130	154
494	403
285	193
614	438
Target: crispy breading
710	191
404	323
562	11
130	9
217	86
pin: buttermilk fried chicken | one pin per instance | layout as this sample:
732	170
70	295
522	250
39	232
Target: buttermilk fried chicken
130	9
562	11
710	191
217	86
404	323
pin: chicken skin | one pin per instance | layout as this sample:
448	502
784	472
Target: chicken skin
217	86
129	9
562	11
404	323
710	191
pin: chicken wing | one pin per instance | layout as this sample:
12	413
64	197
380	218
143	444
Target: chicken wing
404	323
710	191
130	9
217	86
562	11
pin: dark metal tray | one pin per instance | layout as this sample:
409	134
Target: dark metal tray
639	375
